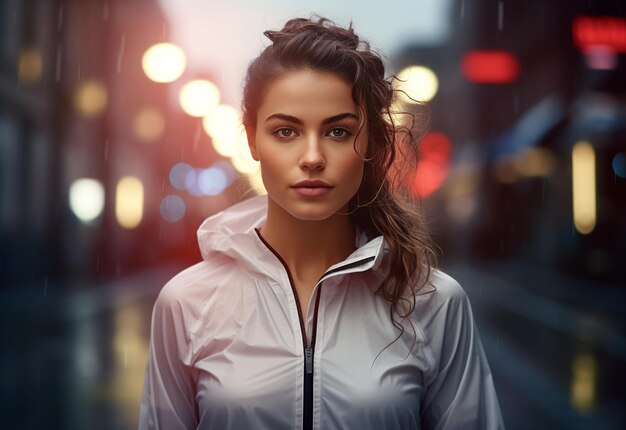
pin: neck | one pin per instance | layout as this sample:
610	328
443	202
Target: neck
308	247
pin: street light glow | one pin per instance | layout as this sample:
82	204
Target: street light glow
164	62
417	83
172	208
242	158
149	124
30	66
86	199
91	98
223	124
583	386
584	187
129	202
199	97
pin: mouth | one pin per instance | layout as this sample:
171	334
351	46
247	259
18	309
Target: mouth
312	183
312	188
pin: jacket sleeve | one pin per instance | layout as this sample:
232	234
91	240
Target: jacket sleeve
459	392
168	398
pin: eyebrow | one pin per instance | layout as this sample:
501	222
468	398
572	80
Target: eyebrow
328	120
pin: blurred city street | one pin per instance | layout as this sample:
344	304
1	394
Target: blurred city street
555	344
121	131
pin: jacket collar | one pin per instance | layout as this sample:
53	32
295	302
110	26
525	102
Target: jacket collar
231	232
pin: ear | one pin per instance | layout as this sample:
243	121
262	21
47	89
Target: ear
251	135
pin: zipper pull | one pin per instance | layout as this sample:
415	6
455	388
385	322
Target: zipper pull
308	359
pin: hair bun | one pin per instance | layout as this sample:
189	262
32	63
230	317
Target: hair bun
318	26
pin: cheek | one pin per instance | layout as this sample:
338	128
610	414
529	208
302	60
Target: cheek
353	169
273	164
359	162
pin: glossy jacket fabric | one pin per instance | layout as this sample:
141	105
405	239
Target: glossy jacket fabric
228	349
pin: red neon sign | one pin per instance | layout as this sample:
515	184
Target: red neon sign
490	67
433	166
591	33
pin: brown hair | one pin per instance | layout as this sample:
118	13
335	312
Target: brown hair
380	206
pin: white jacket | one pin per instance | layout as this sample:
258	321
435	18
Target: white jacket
228	348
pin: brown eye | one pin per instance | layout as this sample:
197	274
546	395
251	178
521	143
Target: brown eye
339	133
284	132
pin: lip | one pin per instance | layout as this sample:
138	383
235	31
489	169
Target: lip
312	183
312	188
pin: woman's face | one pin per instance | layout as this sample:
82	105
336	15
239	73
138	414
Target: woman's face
305	142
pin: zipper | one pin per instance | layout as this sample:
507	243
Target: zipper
309	350
308	359
347	266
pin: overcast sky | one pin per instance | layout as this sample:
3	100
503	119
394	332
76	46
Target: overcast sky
220	38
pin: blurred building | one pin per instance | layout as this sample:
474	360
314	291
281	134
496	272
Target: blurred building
30	153
72	98
88	142
520	85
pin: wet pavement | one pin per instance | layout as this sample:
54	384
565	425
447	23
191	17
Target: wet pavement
556	345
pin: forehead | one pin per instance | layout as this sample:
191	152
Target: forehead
307	93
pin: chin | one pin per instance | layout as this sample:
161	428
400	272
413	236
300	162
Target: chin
313	211
317	214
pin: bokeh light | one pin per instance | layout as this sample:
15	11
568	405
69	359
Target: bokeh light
490	67
223	124
91	98
242	158
229	139
416	83
30	66
172	208
199	182
178	175
590	32
584	187
584	382
148	124
433	166
129	202
228	170
212	181
86	198
192	184
619	164
199	97
164	62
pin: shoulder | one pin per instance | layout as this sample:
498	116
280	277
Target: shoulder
176	298
188	289
443	288
445	317
443	305
206	294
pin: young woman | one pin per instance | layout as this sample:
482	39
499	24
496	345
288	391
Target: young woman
318	305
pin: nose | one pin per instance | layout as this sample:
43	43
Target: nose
313	156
